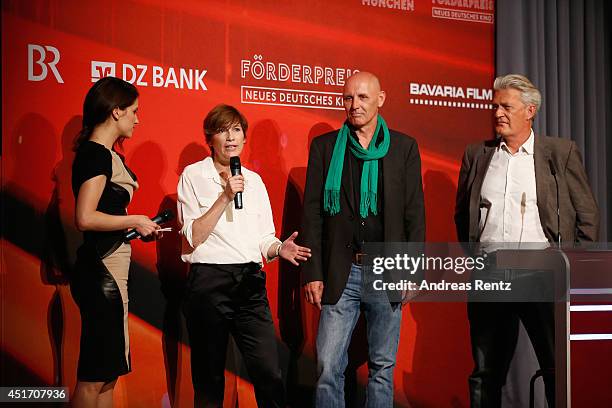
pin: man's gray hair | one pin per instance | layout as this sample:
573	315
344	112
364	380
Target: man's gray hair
530	95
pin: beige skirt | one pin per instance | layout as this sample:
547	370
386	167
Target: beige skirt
118	264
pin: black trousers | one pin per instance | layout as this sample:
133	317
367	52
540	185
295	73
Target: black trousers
494	331
224	299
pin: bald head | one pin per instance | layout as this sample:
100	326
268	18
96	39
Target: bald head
362	99
366	77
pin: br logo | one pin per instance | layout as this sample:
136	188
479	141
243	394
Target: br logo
101	69
45	58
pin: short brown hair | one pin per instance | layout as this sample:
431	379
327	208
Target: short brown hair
221	118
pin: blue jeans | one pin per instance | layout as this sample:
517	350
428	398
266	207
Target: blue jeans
336	326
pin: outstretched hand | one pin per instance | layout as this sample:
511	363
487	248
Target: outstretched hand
292	252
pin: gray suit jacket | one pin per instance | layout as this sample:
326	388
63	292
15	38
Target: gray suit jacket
578	211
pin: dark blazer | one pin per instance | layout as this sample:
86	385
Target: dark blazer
330	237
578	210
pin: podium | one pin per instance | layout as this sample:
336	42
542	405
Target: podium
554	260
581	275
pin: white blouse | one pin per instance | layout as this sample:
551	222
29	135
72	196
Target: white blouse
240	236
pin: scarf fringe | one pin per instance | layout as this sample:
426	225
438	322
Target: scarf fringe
331	202
368	202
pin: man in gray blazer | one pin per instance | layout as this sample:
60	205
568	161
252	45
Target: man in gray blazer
509	191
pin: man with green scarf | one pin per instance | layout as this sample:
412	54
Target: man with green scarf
363	184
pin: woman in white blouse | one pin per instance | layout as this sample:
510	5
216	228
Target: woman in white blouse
226	290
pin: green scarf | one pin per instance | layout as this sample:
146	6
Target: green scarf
369	175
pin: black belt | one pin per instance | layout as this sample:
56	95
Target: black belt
358	258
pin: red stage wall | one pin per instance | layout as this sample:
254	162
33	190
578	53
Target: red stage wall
282	63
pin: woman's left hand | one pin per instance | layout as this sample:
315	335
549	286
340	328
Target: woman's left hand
292	252
154	236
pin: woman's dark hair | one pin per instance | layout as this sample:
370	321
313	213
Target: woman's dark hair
220	119
105	95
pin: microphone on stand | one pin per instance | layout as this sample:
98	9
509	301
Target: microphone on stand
523	206
235	169
484	203
553	171
160	218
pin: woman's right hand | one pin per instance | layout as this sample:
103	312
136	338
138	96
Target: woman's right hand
144	226
233	185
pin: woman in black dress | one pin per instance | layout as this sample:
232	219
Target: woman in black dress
103	186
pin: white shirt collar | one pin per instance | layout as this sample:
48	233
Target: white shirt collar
526	147
210	172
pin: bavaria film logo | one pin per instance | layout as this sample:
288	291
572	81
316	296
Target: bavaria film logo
154	76
43	59
450	96
284	83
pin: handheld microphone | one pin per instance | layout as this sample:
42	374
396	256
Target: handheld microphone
553	171
235	169
160	218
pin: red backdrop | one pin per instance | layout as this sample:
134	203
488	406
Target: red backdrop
282	64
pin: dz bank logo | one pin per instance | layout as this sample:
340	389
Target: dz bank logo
45	58
101	69
155	76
